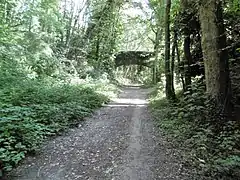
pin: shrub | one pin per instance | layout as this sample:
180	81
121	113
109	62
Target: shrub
33	110
187	122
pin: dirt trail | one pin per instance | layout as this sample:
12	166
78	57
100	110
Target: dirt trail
119	142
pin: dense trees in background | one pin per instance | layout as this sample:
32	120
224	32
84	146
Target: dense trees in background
50	36
79	38
55	57
102	34
197	32
204	35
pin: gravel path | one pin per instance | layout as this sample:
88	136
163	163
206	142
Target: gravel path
119	142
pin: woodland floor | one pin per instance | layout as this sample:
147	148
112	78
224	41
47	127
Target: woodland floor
119	142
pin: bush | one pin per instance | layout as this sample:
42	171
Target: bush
33	110
189	125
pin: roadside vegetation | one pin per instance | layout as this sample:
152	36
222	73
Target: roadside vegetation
197	105
47	84
62	59
187	123
32	110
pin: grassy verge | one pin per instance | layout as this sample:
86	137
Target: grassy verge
30	111
214	155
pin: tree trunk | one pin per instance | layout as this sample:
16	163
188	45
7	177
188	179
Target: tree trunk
173	59
185	5
170	94
179	71
215	56
156	51
188	60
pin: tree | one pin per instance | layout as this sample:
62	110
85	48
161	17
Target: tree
170	94
102	32
187	16
215	55
157	28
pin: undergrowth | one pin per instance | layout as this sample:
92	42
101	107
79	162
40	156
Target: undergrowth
32	110
215	155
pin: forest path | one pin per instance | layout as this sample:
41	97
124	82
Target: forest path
119	142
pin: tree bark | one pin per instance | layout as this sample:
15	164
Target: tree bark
188	60
170	94
156	51
215	55
173	59
179	71
185	5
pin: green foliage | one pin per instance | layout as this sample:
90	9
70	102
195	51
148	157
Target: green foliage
230	164
34	110
187	122
102	32
234	5
42	60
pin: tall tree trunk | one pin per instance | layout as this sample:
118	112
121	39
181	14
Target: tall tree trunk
185	5
173	58
69	29
188	60
97	53
179	71
156	51
170	94
215	56
62	21
225	81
